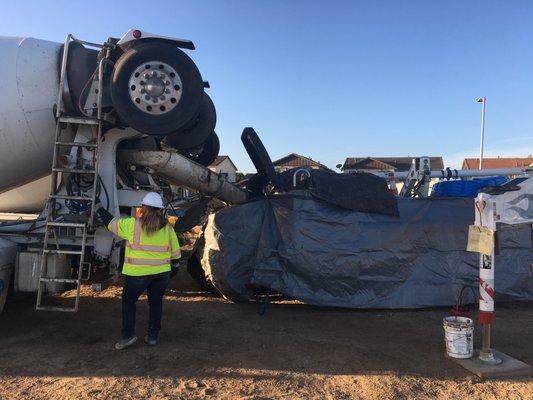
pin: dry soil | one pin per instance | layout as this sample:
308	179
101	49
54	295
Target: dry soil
212	349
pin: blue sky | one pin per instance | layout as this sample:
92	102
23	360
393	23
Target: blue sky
332	79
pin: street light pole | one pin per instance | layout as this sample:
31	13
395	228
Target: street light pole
482	100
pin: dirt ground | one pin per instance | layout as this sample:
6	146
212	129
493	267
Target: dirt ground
213	349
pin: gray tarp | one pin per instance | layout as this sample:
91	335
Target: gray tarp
328	256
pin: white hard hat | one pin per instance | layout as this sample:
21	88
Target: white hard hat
153	199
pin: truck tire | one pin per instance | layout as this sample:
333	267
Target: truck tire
259	156
156	88
206	153
202	127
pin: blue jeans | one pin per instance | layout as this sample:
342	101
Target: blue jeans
134	286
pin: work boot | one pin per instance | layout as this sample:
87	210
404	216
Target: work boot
150	340
125	343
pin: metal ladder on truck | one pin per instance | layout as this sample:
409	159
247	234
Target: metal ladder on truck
56	224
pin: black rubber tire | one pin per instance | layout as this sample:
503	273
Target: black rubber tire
191	96
206	153
259	156
203	125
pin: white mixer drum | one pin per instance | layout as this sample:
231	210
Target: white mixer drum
28	90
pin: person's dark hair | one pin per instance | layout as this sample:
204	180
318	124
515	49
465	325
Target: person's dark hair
152	219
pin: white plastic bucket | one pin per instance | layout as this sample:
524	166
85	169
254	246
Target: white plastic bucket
459	336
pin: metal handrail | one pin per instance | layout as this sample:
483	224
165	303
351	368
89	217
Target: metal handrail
68	40
296	174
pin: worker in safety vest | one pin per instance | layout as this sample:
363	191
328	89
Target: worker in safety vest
151	244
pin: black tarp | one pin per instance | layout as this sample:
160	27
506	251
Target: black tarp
360	191
329	256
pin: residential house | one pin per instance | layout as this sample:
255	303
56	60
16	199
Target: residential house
295	160
225	167
388	164
499	162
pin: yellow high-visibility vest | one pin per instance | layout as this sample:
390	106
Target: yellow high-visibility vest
145	254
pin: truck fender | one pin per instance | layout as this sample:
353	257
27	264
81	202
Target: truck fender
135	35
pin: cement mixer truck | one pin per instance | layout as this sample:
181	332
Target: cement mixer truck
84	122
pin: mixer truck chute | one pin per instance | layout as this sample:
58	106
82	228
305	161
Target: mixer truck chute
107	122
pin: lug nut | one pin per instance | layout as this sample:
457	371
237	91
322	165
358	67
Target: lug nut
147	97
154	99
143	91
167	82
162	98
167	91
146	75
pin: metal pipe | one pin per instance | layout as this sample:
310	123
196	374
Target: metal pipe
482	100
22	226
486	355
459	173
179	170
485	340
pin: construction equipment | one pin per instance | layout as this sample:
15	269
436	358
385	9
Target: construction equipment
112	122
418	177
416	180
69	109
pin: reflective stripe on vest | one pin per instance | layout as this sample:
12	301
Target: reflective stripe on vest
136	257
148	247
146	261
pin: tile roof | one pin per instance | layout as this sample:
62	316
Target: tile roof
296	160
388	163
500	162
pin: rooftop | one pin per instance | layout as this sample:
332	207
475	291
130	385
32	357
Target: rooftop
499	162
296	160
220	159
388	163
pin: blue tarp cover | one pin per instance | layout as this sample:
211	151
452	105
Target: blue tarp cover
464	188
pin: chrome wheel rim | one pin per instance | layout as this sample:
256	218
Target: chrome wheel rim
155	87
